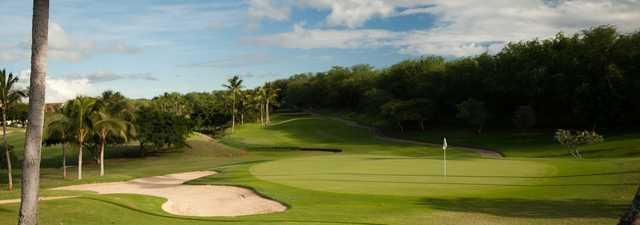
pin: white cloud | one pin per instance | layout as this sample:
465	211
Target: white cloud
60	90
352	13
462	28
108	75
235	61
342	13
65	46
474	26
265	9
315	38
71	86
12	55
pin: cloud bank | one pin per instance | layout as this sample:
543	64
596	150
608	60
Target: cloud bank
462	28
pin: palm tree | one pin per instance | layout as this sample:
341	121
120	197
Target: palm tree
33	138
118	106
235	89
105	124
8	97
81	109
246	97
260	102
59	123
270	96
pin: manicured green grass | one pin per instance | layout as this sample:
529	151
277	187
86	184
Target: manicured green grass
372	182
325	133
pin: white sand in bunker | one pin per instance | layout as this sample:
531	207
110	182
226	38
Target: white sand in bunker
190	200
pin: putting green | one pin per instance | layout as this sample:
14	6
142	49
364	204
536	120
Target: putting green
405	176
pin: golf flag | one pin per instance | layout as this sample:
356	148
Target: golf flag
444	145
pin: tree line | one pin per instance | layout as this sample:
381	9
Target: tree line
163	122
93	124
587	80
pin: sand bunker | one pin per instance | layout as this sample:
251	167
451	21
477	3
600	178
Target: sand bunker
190	200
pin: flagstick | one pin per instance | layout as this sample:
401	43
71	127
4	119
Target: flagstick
444	149
445	163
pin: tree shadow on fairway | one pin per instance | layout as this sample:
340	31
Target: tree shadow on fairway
499	176
529	208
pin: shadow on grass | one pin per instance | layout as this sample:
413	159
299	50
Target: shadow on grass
488	176
529	208
462	183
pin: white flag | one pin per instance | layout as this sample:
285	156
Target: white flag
444	145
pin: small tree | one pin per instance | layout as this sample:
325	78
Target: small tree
573	140
524	117
474	112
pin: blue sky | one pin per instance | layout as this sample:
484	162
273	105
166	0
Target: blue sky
144	48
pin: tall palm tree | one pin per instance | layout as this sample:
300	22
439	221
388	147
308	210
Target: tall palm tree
33	138
118	106
8	97
81	109
245	104
271	95
105	124
61	124
260	102
234	89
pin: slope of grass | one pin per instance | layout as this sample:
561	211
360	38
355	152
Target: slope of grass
324	133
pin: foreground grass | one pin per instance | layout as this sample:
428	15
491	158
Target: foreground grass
372	182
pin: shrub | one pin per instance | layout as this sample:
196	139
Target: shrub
573	140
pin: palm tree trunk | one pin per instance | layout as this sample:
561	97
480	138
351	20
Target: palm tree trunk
102	156
233	115
64	161
6	148
261	114
80	161
267	112
33	140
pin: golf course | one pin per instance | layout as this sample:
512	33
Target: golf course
320	112
372	181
